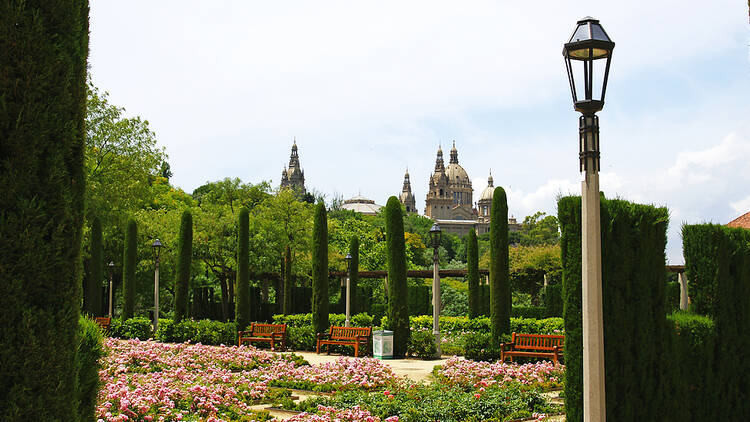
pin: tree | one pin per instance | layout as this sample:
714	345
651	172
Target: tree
398	313
242	306
472	274
92	299
43	50
539	230
129	262
500	299
184	258
354	275
320	269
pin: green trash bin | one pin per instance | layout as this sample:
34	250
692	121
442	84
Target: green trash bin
382	344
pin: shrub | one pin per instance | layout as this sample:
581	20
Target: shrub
422	345
130	255
553	300
301	338
472	273
204	331
92	298
673	296
137	327
87	367
242	305
537	312
460	325
302	320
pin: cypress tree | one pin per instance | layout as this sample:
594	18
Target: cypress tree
288	283
398	312
472	273
354	274
43	50
320	269
128	270
500	300
242	304
184	258
92	299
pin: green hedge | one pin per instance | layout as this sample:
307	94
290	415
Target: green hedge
320	297
204	331
700	249
303	320
500	298
87	367
537	312
458	325
136	327
673	296
553	300
633	286
398	295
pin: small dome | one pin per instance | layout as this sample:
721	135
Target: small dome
489	191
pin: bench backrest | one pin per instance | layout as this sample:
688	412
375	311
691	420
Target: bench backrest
349	333
266	330
538	341
103	322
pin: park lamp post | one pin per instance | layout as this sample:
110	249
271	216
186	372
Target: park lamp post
435	234
157	249
111	267
587	56
348	259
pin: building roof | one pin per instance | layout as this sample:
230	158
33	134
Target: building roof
362	205
742	221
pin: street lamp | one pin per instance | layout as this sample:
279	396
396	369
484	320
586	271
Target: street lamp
435	234
348	259
587	57
111	267
157	248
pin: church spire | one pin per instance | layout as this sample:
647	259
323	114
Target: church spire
439	164
454	154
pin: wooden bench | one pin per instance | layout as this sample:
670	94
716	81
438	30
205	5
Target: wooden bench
268	333
347	336
533	345
103	322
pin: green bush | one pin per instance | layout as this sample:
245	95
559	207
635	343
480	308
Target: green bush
301	338
422	345
319	252
673	296
92	294
87	367
553	300
184	258
459	325
478	347
472	274
538	312
500	298
129	262
398	311
303	320
137	327
204	331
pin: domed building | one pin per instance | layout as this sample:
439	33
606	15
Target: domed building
362	205
450	193
294	177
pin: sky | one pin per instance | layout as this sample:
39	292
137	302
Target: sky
369	89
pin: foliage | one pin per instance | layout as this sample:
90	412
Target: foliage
320	270
500	300
43	51
301	320
553	303
354	274
472	273
478	347
204	331
92	297
301	337
242	303
128	270
633	281
398	313
288	281
453	302
422	345
89	352
184	258
539	230
137	327
672	292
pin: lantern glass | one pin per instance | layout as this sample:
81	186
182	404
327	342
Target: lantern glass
157	247
587	56
435	234
348	259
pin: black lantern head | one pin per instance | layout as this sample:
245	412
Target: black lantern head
348	259
435	234
587	56
111	265
157	247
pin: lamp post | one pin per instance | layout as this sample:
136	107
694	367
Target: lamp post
111	267
435	234
348	259
587	57
157	247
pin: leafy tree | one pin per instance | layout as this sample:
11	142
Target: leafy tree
472	274
500	300
92	299
242	306
43	50
320	270
184	259
128	270
539	230
398	313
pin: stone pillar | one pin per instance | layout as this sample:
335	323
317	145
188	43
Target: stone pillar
682	279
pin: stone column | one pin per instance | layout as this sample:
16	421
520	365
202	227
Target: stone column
682	279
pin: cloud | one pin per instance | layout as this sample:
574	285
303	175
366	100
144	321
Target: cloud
697	167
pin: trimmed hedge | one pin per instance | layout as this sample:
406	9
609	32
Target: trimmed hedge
302	320
92	294
458	325
320	297
89	352
204	331
242	304
553	300
472	274
500	298
633	285
129	262
672	292
184	258
137	327
537	312
398	311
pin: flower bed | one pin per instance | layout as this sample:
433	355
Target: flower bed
150	381
470	374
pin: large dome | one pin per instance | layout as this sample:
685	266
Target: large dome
456	174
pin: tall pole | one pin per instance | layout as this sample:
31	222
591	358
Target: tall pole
156	296
348	300
436	302
111	275
593	320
